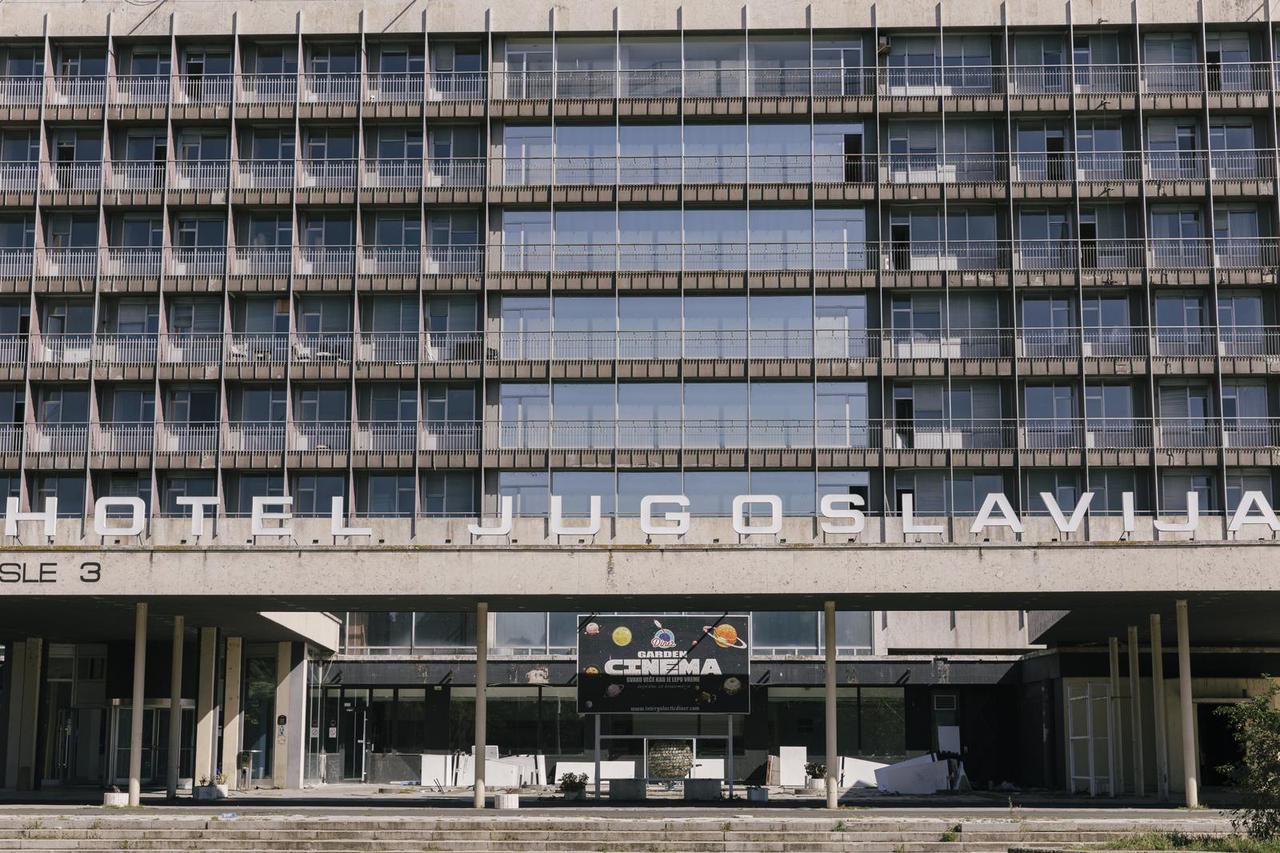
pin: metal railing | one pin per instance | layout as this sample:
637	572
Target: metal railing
328	174
264	174
453	259
16	262
56	349
317	436
199	174
196	261
124	348
13	348
390	260
86	89
331	88
20	90
133	261
57	438
84	175
19	175
140	89
268	88
385	437
212	89
203	348
81	262
187	438
257	348
253	437
320	347
458	86
384	172
135	174
326	260
261	260
455	172
398	87
122	437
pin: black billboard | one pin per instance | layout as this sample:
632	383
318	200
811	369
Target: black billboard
676	664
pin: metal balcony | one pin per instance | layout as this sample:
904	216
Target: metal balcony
191	349
253	437
199	175
200	261
320	436
79	262
248	348
57	438
320	348
204	89
77	90
268	88
139	90
122	438
121	349
19	175
187	438
133	261
21	90
264	174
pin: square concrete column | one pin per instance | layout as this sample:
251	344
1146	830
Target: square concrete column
1135	713
1114	754
175	705
24	707
231	712
1159	719
289	754
482	699
206	730
1190	768
833	752
136	710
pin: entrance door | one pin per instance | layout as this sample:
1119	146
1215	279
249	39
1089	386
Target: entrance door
1089	724
353	726
1216	744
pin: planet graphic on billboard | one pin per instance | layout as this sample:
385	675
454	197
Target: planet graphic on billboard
622	636
725	635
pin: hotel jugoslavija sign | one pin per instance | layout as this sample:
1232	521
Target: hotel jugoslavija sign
685	664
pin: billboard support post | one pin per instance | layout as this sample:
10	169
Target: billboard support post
597	773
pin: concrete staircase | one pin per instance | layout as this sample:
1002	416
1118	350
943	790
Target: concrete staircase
615	831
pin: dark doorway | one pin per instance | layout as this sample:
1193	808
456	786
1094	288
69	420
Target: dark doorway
1217	744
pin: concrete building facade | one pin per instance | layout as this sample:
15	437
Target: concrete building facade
347	339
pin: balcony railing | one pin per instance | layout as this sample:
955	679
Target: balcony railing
253	437
191	348
136	175
84	176
20	90
133	261
405	87
384	172
262	260
123	437
16	263
57	438
1028	433
13	349
56	349
316	436
340	87
892	80
79	262
142	89
120	348
453	260
199	175
455	172
197	261
204	89
268	88
264	174
187	438
78	90
261	348
326	260
386	437
328	174
321	347
390	260
19	175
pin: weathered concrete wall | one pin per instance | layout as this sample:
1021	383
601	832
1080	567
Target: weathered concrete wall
71	19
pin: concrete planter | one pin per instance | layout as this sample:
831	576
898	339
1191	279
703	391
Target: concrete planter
702	790
115	799
575	794
506	801
209	793
628	790
815	786
757	795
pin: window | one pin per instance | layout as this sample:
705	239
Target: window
384	494
243	488
67	489
174	486
449	493
313	494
